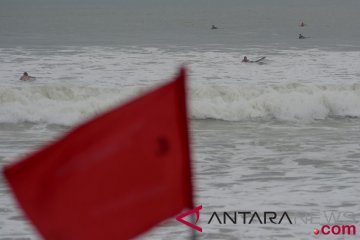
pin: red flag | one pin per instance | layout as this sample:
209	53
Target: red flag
113	177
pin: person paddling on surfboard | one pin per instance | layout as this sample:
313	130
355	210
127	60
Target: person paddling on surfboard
214	27
26	77
246	60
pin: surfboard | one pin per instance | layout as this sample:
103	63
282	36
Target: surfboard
260	59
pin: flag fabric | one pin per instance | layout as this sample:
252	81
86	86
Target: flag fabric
113	177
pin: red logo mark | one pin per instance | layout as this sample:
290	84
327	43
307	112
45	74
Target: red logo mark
197	212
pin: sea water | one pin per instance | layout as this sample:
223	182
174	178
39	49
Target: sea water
278	136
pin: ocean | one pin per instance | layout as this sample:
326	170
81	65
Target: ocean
280	136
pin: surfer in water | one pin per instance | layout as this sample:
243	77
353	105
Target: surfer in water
26	77
302	24
245	59
214	27
301	36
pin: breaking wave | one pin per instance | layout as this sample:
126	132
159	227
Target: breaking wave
291	102
68	105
